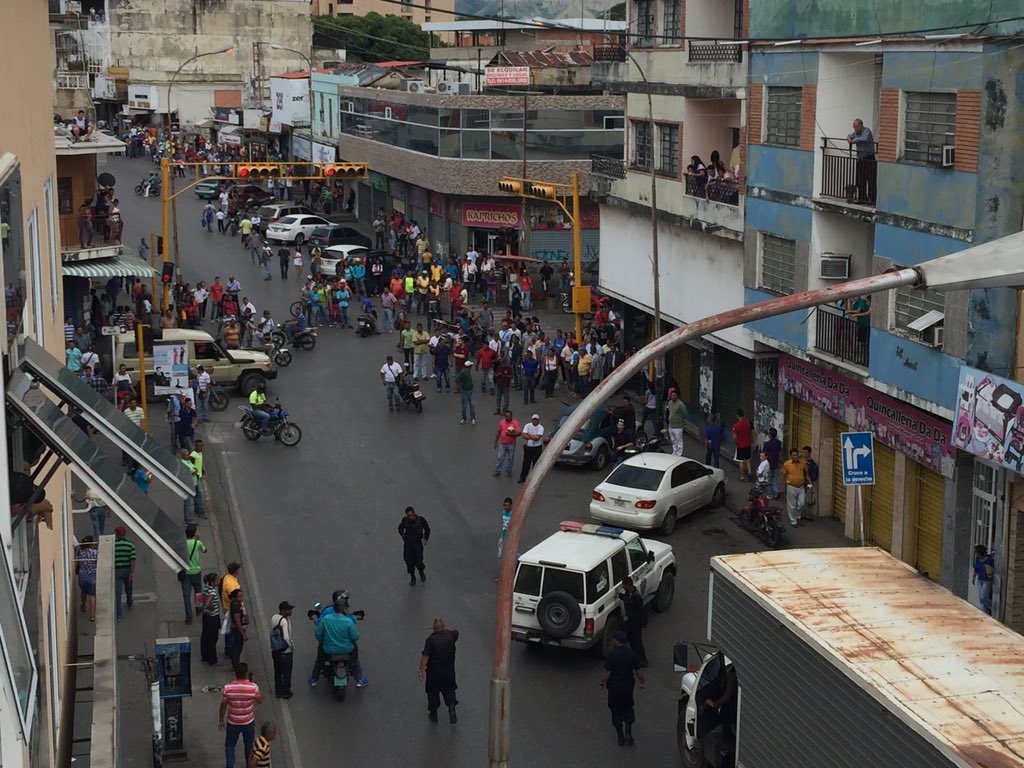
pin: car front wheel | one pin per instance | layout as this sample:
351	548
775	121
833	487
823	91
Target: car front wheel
300	239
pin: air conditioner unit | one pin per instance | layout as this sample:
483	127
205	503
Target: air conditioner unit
387	113
948	155
933	336
834	266
463	88
447	86
414	86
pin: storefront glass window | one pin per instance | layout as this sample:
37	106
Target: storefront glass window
12	242
17	652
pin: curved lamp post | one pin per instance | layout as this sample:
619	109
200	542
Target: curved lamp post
994	264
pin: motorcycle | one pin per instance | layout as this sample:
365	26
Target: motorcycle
336	667
218	399
280	354
762	518
305	339
366	325
411	394
153	187
231	225
279	426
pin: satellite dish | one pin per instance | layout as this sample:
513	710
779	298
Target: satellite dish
106	179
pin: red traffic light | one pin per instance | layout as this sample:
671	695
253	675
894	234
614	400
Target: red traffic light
243	172
330	170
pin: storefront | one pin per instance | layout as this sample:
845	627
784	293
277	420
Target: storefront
913	457
418	205
551	232
483	223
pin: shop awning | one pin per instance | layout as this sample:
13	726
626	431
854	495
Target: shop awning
150	525
102	414
124	265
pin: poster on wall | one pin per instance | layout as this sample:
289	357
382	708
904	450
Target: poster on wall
901	426
989	418
170	368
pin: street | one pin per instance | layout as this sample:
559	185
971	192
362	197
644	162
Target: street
324	515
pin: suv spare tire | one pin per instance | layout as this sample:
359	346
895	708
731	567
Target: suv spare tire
558	614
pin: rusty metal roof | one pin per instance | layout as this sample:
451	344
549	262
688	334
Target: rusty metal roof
542	60
955	673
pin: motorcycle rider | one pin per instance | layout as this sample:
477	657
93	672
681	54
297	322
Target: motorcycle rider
368	314
296	325
260	411
266	326
337	635
622	440
150	184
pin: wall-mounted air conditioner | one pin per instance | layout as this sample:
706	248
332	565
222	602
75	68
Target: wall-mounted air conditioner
414	86
834	266
447	86
929	327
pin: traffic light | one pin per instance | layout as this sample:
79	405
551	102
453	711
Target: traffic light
259	171
168	273
511	185
344	170
546	191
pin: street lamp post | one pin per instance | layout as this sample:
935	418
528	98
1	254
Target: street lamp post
994	264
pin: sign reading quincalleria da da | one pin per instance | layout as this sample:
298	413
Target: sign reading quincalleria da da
989	420
901	426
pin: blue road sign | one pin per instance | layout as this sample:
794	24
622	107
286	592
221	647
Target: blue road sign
858	452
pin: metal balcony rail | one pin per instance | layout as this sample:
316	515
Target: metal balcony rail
846	176
841	336
612	167
725	192
715	52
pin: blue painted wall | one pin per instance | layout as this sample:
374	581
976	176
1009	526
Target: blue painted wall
790	328
936	195
784	68
922	370
325	86
781	168
931	70
907	248
778	219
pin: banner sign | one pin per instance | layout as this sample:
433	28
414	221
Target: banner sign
901	426
492	216
170	368
494	76
990	418
301	147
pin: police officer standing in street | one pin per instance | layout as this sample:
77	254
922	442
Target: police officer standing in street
636	619
437	665
415	532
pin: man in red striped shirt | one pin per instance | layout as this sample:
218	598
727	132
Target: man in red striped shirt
238	702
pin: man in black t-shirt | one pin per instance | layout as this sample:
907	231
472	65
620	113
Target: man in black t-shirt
437	665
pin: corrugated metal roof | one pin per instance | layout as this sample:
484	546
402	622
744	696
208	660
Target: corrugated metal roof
956	673
480	25
541	60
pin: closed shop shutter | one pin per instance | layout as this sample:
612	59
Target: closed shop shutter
421	217
926	508
686	370
439	232
733	385
365	203
879	502
556	244
797	429
838	489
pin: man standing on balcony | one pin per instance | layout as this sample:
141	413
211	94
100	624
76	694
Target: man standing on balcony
865	173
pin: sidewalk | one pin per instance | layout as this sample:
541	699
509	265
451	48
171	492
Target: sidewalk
158	612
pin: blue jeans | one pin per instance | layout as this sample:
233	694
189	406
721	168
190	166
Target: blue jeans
467	403
98	517
343	312
391	392
203	406
985	596
443	376
200	506
487	380
123	582
505	451
231	734
262	418
389	320
192	585
188	506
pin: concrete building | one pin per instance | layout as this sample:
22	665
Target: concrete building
153	40
438	159
695	91
418	13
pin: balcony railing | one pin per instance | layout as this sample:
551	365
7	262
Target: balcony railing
845	175
609	53
841	336
714	52
612	167
72	80
725	192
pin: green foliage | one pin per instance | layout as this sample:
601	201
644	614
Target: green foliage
374	37
617	12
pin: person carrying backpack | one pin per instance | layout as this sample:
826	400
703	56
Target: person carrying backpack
281	649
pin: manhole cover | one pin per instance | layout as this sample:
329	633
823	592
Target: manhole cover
714	532
210	689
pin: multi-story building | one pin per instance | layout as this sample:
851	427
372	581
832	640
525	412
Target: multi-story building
694	93
438	158
417	13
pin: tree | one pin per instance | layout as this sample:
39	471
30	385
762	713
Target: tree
617	12
374	37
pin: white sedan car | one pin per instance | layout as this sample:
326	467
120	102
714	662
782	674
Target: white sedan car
295	229
653	490
330	257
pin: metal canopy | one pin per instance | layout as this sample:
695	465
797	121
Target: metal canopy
107	419
124	265
151	525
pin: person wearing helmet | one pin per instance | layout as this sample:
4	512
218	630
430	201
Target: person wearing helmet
336	634
258	401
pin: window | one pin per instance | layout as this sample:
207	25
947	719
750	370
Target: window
929	124
36	275
51	233
636	478
680	476
642	148
598	583
671	21
914	303
637	554
18	661
614	122
528	579
570	582
620	566
65	196
668	150
778	264
643	23
783	121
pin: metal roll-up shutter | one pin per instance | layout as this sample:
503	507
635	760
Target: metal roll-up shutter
381	200
797	429
366	210
439	232
686	370
928	503
733	387
838	489
878	504
421	217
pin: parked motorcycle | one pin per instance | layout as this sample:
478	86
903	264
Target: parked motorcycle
277	352
411	394
218	399
366	324
761	517
305	339
279	426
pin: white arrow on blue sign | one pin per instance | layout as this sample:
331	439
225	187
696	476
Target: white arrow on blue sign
858	453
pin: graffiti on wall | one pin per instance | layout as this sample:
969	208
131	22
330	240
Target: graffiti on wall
766	395
588	252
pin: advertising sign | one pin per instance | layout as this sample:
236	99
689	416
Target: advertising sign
170	368
289	100
323	153
901	426
494	76
990	418
301	148
492	216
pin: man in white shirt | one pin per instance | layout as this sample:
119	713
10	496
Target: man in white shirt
533	444
391	376
223	198
203	384
266	324
248	306
472	255
281	625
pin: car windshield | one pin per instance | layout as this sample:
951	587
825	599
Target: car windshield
266	212
641	478
288	220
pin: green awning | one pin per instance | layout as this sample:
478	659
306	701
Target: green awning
118	266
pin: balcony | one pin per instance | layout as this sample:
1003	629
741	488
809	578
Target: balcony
612	167
841	336
725	192
72	80
844	176
702	53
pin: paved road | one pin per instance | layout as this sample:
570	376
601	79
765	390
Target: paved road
324	514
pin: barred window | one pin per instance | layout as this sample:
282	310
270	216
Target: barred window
672	22
668	149
642	145
643	23
778	264
914	303
783	117
929	124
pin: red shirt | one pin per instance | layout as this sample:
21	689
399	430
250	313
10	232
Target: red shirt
240	696
485	358
216	292
503	426
742	433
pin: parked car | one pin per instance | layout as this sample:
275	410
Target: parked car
654	490
271	213
566	590
250	196
590	445
208	189
338	234
294	229
330	257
